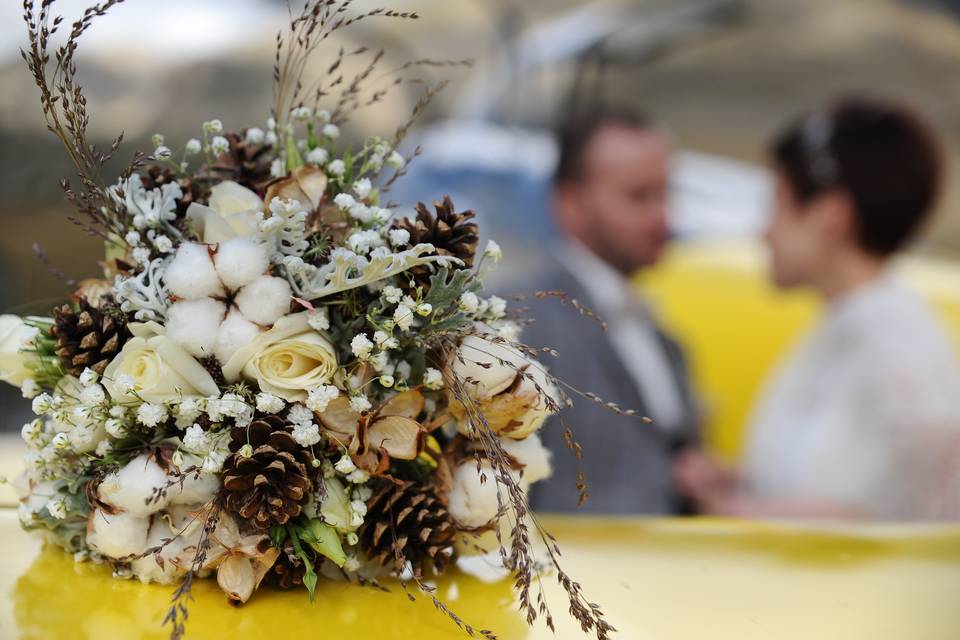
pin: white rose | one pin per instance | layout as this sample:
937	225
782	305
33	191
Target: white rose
232	212
13	363
160	369
287	361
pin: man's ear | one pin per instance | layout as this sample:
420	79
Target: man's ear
836	215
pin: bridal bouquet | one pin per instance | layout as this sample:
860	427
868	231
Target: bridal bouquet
279	377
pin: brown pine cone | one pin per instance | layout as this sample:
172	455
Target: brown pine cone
245	164
288	571
88	336
451	233
271	486
408	523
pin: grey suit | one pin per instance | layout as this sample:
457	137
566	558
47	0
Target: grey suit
627	463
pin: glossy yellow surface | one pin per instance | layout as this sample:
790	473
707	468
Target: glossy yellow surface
716	299
656	579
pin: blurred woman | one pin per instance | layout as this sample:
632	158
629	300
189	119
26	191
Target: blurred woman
863	419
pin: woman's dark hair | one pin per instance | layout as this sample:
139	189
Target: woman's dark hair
881	153
576	134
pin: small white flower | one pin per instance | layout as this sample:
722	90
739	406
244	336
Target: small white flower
213	126
277	168
378	361
395	159
219	145
318	399
150	415
387	380
361	212
57	507
31	431
424	309
60	442
115	427
301	114
196	440
213	462
163	244
358	477
432	379
193	146
359	507
42	404
254	135
103	448
345	465
497	308
318	156
93	396
352	564
246	451
269	403
344	200
385	341
162	153
399	237
29	389
403	316
157	139
271	124
124	383
493	251
141	255
300	414
270	139
306	434
332	131
362	188
318	320
361	346
360	403
323	116
118	411
469	302
392	294
337	168
132	238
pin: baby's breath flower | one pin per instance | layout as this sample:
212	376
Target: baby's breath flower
337	168
219	145
213	462
29	389
163	244
498	307
150	415
387	380
469	302
399	237
493	251
254	135
318	399
318	320
162	153
57	507
301	114
246	451
141	255
358	477
360	403
196	440
269	403
331	131
392	294
124	383
378	361
344	200
42	404
323	116
318	156
424	309
193	146
432	379
362	188
132	238
361	346
300	414
213	126
115	427
306	434
157	139
395	159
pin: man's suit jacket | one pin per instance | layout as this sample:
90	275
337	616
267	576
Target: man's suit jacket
628	464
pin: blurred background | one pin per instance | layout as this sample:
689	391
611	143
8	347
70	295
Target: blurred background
722	74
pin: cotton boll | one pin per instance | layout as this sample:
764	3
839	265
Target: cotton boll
131	487
196	489
531	453
481	367
195	325
234	332
265	300
474	503
240	261
147	569
191	273
117	535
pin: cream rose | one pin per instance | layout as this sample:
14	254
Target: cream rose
233	212
287	361
161	371
13	362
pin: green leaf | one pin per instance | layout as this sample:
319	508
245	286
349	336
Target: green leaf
293	159
310	576
323	539
277	534
312	141
446	287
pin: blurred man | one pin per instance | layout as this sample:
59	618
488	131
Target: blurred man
610	204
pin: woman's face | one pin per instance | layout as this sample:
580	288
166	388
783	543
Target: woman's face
798	238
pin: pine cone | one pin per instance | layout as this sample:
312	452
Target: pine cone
410	521
88	336
245	164
271	486
451	233
288	571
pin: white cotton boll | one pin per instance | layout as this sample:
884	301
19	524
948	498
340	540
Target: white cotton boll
240	261
531	453
147	569
195	324
196	489
265	300
131	487
473	503
234	332
117	535
191	273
